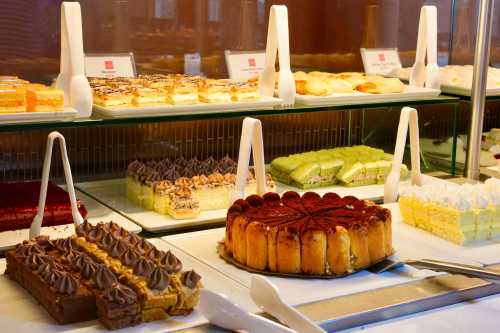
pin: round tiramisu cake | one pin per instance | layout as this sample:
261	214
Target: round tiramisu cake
307	234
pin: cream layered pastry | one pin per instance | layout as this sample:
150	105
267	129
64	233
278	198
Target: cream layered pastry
458	213
215	91
171	89
183	188
349	166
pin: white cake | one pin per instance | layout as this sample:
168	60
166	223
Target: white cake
458	213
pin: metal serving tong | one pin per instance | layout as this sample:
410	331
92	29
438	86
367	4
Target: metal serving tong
437	265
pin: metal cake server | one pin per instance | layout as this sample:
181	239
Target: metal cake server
437	265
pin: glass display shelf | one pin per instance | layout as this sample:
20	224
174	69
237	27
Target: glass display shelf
95	120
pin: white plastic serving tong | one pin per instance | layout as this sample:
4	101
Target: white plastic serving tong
36	225
426	44
408	118
278	41
251	141
266	296
220	311
72	80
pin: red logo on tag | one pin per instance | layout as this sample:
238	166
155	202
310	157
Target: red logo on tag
381	57
251	62
108	64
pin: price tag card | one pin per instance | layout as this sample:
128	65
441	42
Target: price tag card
192	64
380	61
110	65
243	64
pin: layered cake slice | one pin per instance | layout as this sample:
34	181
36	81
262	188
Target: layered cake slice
244	91
12	100
349	166
183	188
183	90
460	214
45	100
148	97
19	205
215	91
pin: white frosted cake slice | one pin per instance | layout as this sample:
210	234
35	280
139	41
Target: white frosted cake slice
460	214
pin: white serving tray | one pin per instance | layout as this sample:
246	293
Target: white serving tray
202	245
465	91
191	109
112	194
19	311
38	117
456	90
96	213
411	93
295	291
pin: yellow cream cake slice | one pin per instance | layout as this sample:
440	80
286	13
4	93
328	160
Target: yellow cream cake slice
460	214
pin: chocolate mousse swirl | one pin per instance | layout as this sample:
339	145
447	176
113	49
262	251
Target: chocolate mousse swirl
171	263
107	241
144	246
120	233
130	257
118	248
144	267
95	234
66	284
155	255
88	270
25	249
50	272
64	244
190	279
83	228
120	294
69	256
79	261
104	278
34	260
133	239
158	279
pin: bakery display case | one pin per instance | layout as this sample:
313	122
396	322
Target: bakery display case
190	181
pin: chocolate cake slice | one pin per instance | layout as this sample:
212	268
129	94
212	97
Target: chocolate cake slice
59	291
104	272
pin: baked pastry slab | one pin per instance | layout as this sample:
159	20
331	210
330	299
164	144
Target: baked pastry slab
325	84
308	236
44	100
148	97
112	97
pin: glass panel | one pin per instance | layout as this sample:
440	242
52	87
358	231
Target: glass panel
325	34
